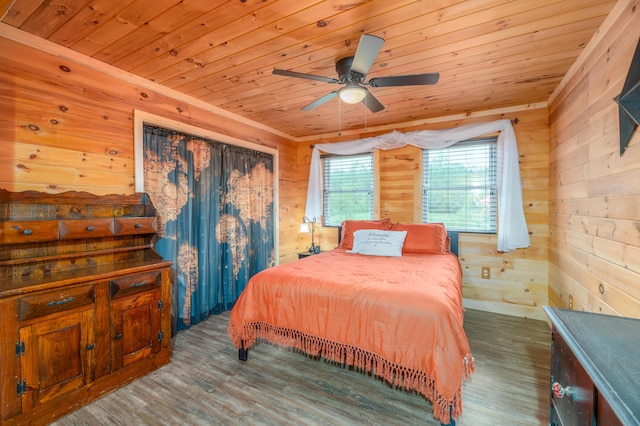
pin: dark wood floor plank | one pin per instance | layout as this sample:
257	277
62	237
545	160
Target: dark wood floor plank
205	384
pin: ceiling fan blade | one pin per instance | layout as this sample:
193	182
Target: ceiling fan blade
366	53
320	101
405	80
372	103
305	76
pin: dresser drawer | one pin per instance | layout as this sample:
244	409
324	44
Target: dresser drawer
129	284
134	225
54	301
29	231
571	386
85	228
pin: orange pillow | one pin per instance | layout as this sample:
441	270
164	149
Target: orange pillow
351	226
427	238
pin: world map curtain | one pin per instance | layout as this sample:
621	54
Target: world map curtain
216	219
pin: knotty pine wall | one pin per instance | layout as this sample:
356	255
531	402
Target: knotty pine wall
594	256
73	130
518	284
65	126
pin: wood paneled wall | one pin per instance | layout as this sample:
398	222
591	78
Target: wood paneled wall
595	192
518	284
66	126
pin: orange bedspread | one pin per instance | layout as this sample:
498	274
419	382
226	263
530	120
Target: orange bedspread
400	317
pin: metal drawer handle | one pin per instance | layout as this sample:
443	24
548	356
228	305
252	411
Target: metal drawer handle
140	284
138	225
90	346
27	232
90	228
61	302
118	336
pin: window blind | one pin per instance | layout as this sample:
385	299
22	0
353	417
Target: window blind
459	186
347	188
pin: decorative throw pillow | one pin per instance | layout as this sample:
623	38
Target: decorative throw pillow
378	243
427	238
351	226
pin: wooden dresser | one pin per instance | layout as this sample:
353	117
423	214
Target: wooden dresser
595	369
84	300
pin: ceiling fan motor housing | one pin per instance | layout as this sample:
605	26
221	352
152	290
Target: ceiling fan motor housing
352	71
345	74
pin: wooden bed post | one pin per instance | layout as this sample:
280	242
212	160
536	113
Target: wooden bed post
243	353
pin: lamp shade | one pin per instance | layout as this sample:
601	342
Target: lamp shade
304	228
352	93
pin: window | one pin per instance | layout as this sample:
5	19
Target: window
459	186
347	188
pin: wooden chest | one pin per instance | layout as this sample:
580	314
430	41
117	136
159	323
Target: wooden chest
595	372
85	302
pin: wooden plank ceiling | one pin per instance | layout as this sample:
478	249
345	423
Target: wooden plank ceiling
489	53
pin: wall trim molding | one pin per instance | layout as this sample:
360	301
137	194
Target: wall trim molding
44	45
30	40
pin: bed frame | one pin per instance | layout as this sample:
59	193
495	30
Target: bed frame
243	352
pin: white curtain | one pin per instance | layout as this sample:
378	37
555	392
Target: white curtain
512	226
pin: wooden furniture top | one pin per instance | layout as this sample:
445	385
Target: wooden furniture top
51	240
607	347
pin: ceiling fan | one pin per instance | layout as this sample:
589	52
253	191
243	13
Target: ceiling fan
352	71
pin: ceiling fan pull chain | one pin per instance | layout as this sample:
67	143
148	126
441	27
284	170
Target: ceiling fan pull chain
365	115
339	118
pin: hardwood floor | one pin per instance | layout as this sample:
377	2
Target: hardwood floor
206	384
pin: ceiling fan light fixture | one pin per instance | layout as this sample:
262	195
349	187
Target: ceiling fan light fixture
352	71
352	94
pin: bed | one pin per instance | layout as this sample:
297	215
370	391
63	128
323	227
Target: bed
387	301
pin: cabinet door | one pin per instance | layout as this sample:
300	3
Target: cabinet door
604	413
58	356
135	332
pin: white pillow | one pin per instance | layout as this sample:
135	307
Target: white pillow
378	243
